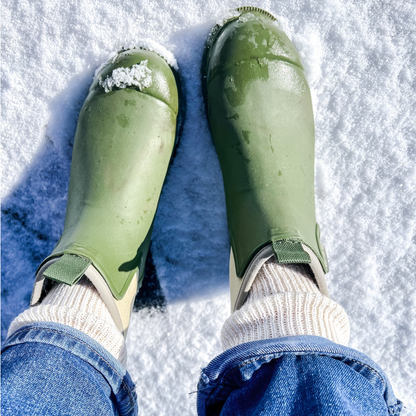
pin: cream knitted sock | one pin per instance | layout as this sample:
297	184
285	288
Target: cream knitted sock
284	301
80	307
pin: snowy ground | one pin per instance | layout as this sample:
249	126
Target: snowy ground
360	58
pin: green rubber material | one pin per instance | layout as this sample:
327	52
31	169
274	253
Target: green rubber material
260	114
123	145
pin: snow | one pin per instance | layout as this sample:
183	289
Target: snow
359	58
138	75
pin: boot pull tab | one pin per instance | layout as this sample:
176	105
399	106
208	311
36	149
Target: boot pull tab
68	269
290	251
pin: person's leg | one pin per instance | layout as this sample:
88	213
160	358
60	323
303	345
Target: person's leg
299	376
285	341
65	354
53	369
283	356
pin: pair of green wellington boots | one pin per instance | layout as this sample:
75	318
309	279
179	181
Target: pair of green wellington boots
260	114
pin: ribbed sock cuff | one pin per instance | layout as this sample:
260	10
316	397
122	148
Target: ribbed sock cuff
80	307
285	301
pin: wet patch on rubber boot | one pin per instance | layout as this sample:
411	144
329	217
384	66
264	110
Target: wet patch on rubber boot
290	251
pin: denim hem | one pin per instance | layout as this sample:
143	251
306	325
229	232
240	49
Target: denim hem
84	347
249	357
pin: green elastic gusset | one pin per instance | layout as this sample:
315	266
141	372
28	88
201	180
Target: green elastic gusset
68	269
290	251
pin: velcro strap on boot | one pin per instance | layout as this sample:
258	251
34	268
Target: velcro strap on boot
290	251
68	269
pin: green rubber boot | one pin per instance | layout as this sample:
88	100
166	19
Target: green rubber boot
260	115
125	138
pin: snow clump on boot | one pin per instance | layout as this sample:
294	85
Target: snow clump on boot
138	75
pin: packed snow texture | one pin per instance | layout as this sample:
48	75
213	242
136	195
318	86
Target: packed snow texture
360	60
139	75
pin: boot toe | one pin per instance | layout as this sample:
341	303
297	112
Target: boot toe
253	39
138	69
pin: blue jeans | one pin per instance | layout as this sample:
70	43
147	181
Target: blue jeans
52	369
302	376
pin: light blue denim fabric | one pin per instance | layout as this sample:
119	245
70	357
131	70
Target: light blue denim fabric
302	376
53	369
